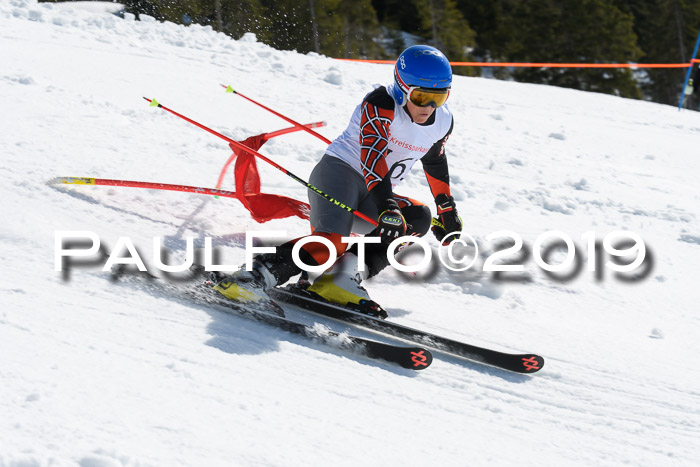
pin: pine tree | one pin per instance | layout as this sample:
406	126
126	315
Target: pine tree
350	29
573	31
289	25
667	31
446	29
242	16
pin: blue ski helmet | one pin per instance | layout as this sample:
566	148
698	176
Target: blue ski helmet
423	66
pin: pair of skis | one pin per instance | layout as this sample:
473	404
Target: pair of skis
519	363
417	357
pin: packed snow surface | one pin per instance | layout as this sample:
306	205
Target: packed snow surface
95	372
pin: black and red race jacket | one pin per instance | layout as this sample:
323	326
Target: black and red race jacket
383	143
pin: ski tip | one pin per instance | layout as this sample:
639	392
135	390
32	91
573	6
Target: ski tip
530	363
419	359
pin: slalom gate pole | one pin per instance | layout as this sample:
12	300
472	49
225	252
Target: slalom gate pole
690	70
245	148
292	129
131	184
287	119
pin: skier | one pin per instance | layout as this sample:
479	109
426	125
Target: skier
393	127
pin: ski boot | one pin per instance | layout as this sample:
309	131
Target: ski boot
268	271
341	285
244	286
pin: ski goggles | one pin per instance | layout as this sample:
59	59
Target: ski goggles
424	97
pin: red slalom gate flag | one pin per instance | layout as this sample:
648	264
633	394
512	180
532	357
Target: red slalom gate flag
262	206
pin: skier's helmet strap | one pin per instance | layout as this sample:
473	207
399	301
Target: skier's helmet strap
420	66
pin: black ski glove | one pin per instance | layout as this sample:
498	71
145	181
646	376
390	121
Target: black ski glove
447	215
391	223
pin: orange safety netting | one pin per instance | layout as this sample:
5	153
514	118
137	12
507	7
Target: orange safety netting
547	65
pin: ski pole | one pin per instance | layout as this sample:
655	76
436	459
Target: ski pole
245	148
289	120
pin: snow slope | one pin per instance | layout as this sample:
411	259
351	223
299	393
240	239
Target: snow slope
98	373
